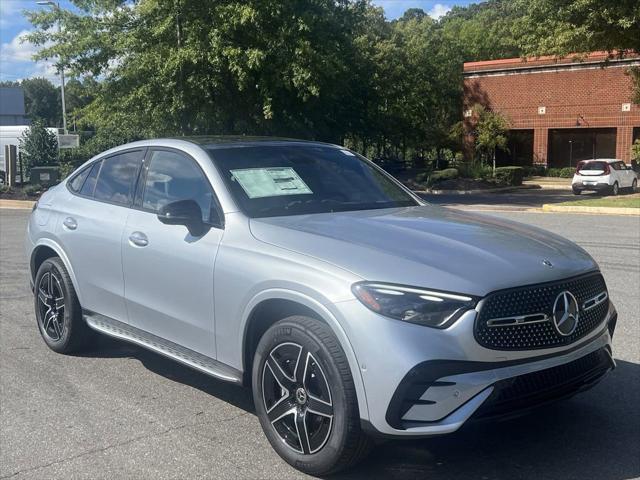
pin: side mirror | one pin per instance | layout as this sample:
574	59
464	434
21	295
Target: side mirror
183	212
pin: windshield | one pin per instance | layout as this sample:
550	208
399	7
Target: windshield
278	180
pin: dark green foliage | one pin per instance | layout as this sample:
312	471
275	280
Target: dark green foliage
512	176
534	170
333	70
38	146
32	190
442	175
566	172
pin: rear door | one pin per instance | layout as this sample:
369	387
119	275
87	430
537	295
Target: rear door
90	229
168	272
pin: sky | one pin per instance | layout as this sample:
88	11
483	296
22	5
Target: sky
15	56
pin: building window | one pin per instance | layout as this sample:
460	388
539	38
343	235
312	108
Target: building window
568	146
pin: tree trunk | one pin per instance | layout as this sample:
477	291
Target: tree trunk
494	162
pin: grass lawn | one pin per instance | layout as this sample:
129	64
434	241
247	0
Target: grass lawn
621	201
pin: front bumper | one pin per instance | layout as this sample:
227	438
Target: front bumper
421	382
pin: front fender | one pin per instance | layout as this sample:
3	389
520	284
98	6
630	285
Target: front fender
329	315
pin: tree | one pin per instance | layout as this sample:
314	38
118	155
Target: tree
42	100
560	28
183	67
38	146
490	131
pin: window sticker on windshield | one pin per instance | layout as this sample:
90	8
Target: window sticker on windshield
270	182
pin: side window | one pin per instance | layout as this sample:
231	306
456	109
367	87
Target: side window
75	184
90	182
171	177
117	178
616	165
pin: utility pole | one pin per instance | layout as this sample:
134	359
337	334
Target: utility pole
56	7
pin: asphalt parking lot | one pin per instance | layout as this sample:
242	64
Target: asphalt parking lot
118	411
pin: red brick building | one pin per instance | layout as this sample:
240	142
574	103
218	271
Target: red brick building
560	111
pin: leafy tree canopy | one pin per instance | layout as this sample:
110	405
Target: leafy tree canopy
38	146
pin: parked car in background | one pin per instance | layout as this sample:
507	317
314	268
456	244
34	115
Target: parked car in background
604	175
350	306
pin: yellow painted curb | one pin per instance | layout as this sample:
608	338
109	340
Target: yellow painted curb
16	204
594	210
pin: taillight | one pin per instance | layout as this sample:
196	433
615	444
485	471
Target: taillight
607	170
578	167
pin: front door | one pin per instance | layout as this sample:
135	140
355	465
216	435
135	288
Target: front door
168	272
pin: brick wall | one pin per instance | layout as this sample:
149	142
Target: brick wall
574	95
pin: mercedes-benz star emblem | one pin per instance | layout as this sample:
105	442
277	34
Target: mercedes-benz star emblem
565	313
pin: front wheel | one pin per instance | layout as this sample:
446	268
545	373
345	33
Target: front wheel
305	397
634	185
577	191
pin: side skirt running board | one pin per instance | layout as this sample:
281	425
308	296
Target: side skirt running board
188	357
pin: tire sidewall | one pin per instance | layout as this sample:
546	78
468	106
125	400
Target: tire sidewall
288	330
53	266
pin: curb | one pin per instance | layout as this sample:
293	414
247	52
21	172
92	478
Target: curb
16	204
480	191
592	210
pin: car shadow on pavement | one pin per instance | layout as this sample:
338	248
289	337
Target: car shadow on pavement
522	199
594	435
236	395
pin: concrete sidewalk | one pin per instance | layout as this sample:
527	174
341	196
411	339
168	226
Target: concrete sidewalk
16	204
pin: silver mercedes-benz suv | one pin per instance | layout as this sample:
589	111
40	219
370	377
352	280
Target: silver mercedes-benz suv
352	308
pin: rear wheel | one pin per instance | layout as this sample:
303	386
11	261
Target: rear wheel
577	191
615	189
305	397
58	311
634	185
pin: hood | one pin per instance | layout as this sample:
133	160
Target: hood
429	246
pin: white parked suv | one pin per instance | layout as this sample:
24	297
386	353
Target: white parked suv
603	174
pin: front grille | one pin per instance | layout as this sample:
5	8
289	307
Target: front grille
532	389
538	299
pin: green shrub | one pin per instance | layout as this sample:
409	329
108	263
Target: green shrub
32	190
509	175
474	170
441	175
566	172
6	189
535	170
66	168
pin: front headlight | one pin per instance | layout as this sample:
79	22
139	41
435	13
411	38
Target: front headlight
424	307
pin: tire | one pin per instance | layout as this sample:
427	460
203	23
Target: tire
615	189
292	358
576	191
634	185
58	312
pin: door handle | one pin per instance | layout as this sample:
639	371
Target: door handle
139	239
70	223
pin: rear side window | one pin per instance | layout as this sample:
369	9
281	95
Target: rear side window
117	178
89	184
75	184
